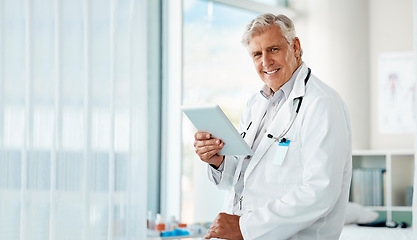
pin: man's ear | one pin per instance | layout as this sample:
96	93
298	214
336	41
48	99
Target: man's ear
296	47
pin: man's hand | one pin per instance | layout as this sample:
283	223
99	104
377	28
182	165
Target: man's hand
225	226
207	148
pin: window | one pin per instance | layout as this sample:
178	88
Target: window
217	69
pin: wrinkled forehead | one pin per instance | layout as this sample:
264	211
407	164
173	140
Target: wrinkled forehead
274	32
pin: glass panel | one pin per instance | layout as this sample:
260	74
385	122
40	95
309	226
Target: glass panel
43	127
13	50
100	53
14	126
10	174
100	130
39	170
100	172
217	69
58	176
121	131
72	21
73	128
69	171
121	168
43	52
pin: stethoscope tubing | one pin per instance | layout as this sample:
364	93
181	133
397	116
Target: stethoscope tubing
281	138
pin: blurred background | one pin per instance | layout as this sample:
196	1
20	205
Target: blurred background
91	132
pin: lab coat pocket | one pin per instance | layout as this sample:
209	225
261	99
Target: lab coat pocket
281	167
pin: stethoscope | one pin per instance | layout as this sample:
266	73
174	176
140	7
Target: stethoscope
281	138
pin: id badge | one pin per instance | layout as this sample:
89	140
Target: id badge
280	153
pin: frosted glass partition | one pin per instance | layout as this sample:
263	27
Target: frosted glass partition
72	103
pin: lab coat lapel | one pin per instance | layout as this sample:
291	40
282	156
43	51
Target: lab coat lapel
280	121
258	109
258	112
277	126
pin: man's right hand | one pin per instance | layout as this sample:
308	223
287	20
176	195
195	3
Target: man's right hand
207	148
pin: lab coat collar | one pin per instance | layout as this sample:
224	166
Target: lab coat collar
299	86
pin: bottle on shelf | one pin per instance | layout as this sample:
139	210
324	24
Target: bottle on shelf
159	223
151	221
172	224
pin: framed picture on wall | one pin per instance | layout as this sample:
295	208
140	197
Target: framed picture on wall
397	93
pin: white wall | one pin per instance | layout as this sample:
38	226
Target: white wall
391	30
342	40
336	49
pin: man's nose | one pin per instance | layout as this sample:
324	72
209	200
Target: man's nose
267	60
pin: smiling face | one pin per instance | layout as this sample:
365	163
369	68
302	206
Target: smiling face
274	58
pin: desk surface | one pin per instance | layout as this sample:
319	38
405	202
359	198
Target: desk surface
375	233
181	237
153	235
189	237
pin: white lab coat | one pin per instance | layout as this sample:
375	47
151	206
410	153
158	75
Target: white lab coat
305	197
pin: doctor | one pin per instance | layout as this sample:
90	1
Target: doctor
296	184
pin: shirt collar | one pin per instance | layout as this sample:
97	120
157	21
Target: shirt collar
267	93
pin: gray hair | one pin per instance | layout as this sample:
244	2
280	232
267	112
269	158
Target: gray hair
264	22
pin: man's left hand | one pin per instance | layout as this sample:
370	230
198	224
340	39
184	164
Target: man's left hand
225	226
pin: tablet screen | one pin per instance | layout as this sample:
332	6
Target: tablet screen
212	119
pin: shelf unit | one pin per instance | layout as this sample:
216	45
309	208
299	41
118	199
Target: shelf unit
399	166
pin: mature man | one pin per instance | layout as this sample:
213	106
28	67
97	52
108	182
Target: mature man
296	184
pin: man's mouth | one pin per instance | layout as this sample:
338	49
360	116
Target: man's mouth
271	72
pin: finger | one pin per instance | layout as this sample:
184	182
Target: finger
211	233
212	142
202	135
208	147
209	150
206	157
208	234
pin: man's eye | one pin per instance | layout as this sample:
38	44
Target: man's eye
274	49
256	54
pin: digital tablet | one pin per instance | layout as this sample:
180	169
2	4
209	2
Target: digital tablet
211	119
